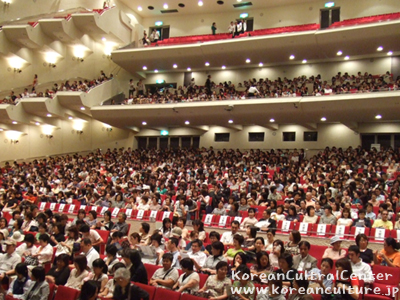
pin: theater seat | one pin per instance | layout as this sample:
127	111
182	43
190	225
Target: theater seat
148	288
64	292
151	269
165	294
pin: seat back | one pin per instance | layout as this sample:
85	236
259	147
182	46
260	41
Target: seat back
64	292
148	288
167	294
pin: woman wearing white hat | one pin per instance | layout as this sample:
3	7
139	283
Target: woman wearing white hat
336	252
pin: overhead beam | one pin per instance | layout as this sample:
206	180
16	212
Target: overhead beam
270	126
204	128
352	125
236	127
311	126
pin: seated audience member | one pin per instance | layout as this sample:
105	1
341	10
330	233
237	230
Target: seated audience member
166	228
384	222
21	283
262	266
266	222
250	239
44	252
198	226
79	274
217	286
336	252
91	234
300	286
213	237
121	225
362	221
8	261
320	281
172	247
60	272
167	276
90	290
181	223
92	219
111	258
194	235
304	261
247	287
292	215
188	282
177	233
277	250
389	255
250	220
100	270
156	242
269	242
106	224
293	245
279	215
234	210
135	265
196	255
311	217
366	254
220	210
370	212
346	218
227	236
239	259
27	248
344	279
361	269
68	245
109	288
328	217
57	236
88	250
39	289
286	271
134	240
124	289
216	256
258	245
144	233
237	247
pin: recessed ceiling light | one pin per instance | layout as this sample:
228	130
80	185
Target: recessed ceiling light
304	61
380	48
248	60
347	57
49	115
14	122
155	71
339	53
207	64
144	123
165	6
140	8
70	118
323	119
175	66
260	64
1	129
82	108
103	39
291	56
37	123
223	67
200	3
272	120
189	69
390	53
378	117
230	121
239	0
187	122
144	68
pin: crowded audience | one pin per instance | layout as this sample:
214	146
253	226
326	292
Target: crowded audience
335	187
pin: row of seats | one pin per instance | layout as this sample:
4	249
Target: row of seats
223	36
367	20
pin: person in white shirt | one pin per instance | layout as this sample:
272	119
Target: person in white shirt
45	250
90	253
252	91
361	269
8	261
231	28
196	255
227	237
